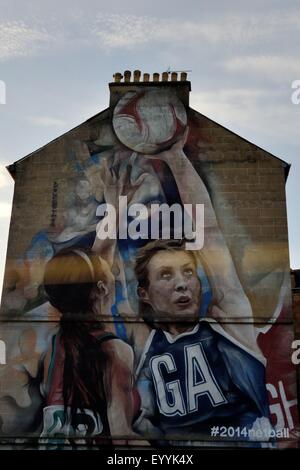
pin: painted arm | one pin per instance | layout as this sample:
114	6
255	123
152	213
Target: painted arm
118	387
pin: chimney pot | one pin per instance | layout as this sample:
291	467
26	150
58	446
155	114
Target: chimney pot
127	75
136	75
118	77
165	76
156	77
146	77
174	76
183	76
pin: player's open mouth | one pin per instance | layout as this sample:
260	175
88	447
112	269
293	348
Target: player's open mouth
184	300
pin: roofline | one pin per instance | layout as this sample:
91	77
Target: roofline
12	167
286	165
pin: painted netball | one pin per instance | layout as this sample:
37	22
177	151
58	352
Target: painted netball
149	121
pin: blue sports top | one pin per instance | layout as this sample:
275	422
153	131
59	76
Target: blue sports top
199	379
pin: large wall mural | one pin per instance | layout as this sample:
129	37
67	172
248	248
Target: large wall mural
131	314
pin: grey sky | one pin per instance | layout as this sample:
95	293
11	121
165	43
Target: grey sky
57	57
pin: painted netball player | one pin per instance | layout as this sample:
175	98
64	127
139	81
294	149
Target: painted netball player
88	371
195	375
192	375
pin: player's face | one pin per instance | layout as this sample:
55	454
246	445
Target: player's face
174	287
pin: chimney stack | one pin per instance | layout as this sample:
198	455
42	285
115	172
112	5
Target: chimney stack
132	81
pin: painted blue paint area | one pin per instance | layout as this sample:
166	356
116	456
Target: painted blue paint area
40	247
95	158
119	324
206	292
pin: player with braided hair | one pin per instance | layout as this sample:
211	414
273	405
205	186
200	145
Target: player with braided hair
88	370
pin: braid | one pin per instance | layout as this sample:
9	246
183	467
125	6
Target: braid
83	379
